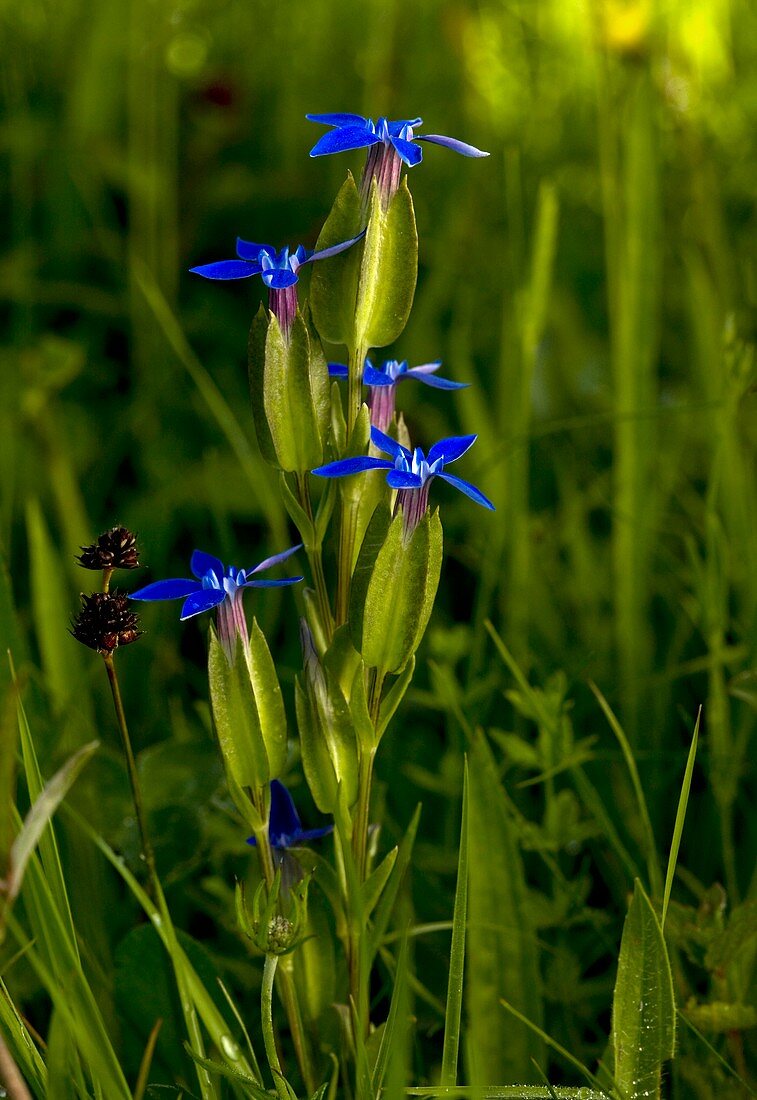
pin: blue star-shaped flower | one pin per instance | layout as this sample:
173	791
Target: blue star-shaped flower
393	371
284	825
356	132
278	270
409	471
214	583
382	384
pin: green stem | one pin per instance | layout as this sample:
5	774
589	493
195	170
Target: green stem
131	767
266	1012
315	560
191	1021
287	988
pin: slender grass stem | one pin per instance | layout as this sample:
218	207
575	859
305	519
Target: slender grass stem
188	1010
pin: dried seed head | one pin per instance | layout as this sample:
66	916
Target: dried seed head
115	549
105	622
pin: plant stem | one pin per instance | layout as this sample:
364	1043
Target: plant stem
188	1010
315	559
131	766
266	1012
11	1075
287	988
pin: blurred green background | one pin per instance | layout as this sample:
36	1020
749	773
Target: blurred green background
595	279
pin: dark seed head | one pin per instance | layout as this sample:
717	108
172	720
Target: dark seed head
105	622
115	549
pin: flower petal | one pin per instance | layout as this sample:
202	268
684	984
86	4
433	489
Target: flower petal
334	249
437	382
451	448
201	601
314	834
278	279
373	377
397	127
342	140
227	269
275	559
249	250
174	589
388	445
426	368
284	821
407	151
346	466
469	490
271	584
338	119
202	563
452	143
339	370
401	479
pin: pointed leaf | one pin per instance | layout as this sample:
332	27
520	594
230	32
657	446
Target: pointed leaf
643	1011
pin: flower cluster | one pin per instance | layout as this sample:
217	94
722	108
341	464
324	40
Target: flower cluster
105	622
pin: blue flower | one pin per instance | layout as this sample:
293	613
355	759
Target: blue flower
214	583
278	270
382	384
411	472
356	132
284	825
393	371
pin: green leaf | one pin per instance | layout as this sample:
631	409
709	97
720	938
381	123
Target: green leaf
256	371
388	270
392	1060
683	801
385	906
373	887
42	810
502	958
334	282
454	1008
327	739
248	710
643	1011
399	595
293	410
394	697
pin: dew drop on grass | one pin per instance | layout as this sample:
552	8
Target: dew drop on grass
229	1048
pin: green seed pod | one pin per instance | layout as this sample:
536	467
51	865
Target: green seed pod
363	297
327	738
248	710
289	390
393	589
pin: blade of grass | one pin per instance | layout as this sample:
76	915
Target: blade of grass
40	814
388	1036
206	1008
454	1008
557	1048
683	802
146	1063
653	866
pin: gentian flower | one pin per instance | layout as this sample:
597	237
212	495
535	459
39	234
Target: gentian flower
278	270
284	825
411	472
383	382
215	585
391	145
